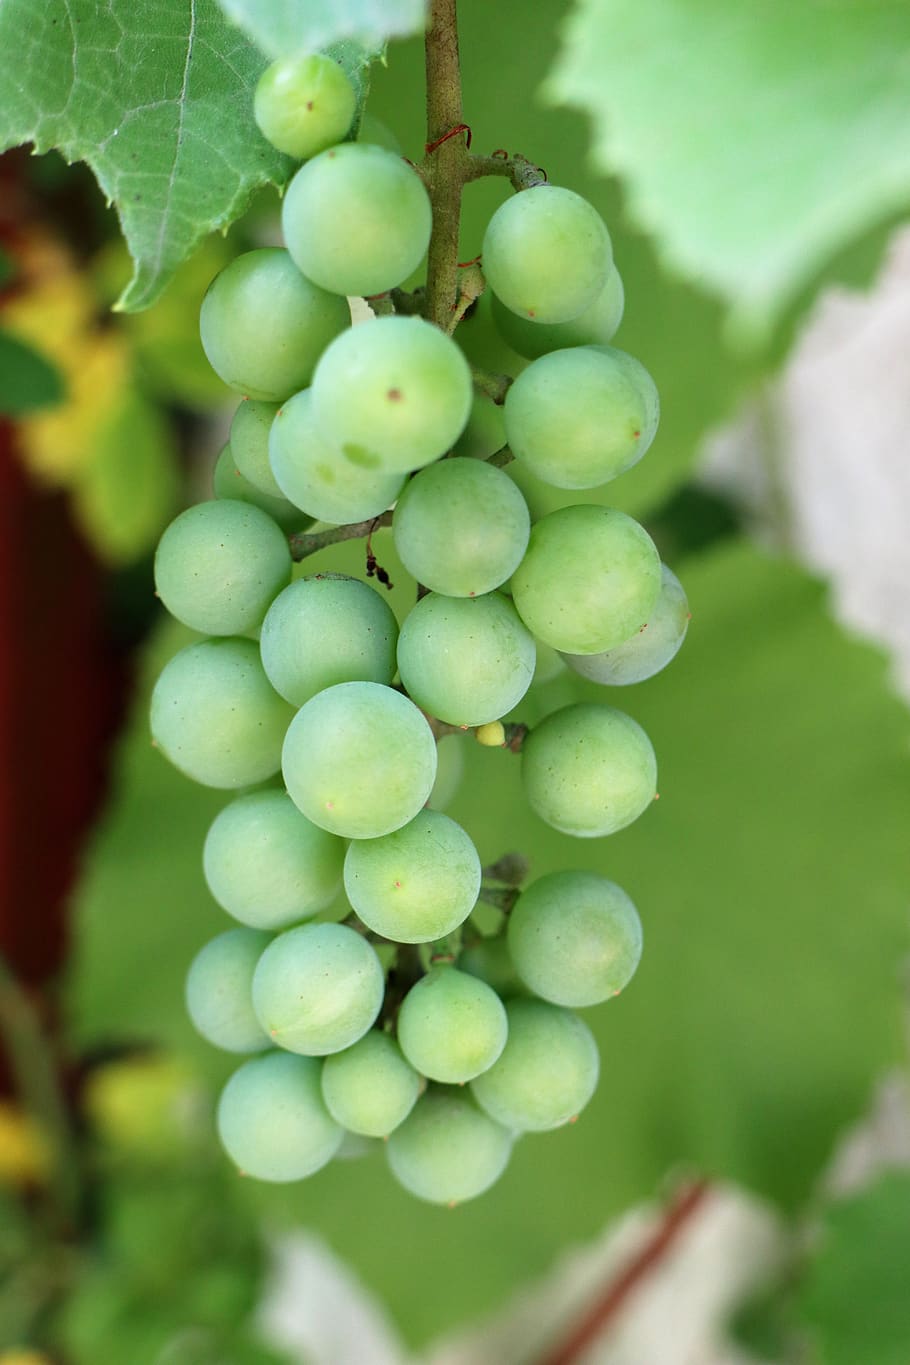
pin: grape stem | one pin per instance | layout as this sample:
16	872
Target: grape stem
511	869
309	542
503	897
495	386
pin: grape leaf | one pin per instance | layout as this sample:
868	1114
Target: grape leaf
283	27
771	881
27	380
854	1296
157	97
754	141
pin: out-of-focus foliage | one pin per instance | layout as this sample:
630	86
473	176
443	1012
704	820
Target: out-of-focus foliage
284	27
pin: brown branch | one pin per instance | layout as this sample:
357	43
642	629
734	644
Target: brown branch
308	542
445	166
620	1288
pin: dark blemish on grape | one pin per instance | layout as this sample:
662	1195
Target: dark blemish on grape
359	455
636	434
398	886
309	105
394	395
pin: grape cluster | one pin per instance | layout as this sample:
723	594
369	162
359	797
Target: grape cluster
408	1020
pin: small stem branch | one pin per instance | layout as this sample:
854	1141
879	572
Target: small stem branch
511	869
503	897
446	164
605	1308
307	543
523	174
495	386
501	457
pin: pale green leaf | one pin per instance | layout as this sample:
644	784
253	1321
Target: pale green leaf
754	140
855	1294
284	27
156	96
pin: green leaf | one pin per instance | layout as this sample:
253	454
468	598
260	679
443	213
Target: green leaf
284	27
854	1296
7	269
771	880
130	487
157	97
27	380
754	141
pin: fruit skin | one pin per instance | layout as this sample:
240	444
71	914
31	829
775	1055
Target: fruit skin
218	990
451	1026
588	770
304	104
359	760
575	938
369	1088
357	219
547	254
264	325
215	715
229	485
393	394
272	1119
547	1071
589	580
578	418
448	1150
317	988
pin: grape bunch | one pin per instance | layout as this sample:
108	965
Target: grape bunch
411	1019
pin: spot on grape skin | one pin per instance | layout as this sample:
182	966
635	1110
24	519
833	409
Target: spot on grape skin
359	455
394	395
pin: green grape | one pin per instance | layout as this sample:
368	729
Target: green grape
250	444
394	394
578	418
272	1119
324	630
461	527
589	580
447	1150
216	717
219	991
547	1072
449	772
304	104
416	884
219	565
489	959
357	219
597	325
318	988
315	475
369	1088
547	254
451	1026
650	650
588	770
267	865
263	324
359	760
575	938
229	484
466	660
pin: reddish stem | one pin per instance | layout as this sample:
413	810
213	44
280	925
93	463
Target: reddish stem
606	1307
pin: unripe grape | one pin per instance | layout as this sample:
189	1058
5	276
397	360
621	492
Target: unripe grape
451	1026
369	1088
589	580
219	565
304	104
250	444
547	1071
264	325
229	485
394	394
215	715
357	219
359	760
547	253
575	938
577	418
317	988
219	991
588	770
448	1150
272	1119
